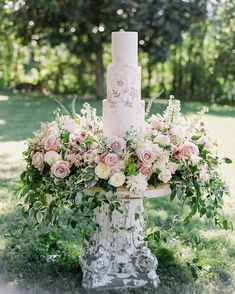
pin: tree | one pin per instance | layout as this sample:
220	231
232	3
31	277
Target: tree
161	23
84	26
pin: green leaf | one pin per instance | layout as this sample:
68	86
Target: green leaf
196	137
137	215
179	193
37	205
73	223
173	194
227	160
78	198
64	137
225	224
39	216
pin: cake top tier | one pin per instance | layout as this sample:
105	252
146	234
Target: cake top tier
124	48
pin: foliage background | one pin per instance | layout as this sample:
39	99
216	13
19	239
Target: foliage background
186	47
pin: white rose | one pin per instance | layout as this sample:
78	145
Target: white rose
162	139
117	179
165	176
102	171
51	157
70	124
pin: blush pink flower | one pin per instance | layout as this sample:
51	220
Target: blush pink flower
117	144
146	169
187	150
73	158
60	169
111	160
146	155
157	122
38	160
48	130
51	143
76	139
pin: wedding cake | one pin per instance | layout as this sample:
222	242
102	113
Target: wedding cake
123	107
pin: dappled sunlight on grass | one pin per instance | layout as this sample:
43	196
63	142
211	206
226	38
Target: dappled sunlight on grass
4	97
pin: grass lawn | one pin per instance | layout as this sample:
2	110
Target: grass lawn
197	258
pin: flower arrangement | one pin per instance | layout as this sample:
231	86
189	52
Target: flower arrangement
70	154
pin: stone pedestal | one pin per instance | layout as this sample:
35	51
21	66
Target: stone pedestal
117	255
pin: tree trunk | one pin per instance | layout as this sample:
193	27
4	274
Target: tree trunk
174	80
99	73
149	70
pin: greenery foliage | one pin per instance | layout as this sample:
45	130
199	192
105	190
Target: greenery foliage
70	155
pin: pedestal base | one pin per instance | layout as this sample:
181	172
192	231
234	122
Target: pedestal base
120	281
117	255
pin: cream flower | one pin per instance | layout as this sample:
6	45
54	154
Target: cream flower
51	157
69	124
117	179
137	184
162	139
165	176
102	171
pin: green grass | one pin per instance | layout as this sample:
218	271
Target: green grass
197	258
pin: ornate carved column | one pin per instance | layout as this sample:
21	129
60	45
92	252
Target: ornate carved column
117	255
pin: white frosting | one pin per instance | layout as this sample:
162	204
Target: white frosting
123	107
119	117
124	48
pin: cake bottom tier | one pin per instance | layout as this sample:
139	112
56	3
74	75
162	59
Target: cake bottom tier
119	117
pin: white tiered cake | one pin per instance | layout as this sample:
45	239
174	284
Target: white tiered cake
123	107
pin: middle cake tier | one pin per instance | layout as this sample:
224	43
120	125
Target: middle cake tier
124	83
123	107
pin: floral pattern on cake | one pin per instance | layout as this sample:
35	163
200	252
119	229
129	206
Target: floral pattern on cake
123	85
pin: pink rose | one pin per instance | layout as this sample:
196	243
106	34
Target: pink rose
187	150
60	169
146	155
177	153
51	143
48	130
117	144
111	160
38	160
146	169
100	158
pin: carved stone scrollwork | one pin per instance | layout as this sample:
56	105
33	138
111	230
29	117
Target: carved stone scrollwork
117	255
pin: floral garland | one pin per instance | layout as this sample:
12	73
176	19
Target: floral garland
71	154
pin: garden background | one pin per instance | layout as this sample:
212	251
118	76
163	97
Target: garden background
60	49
